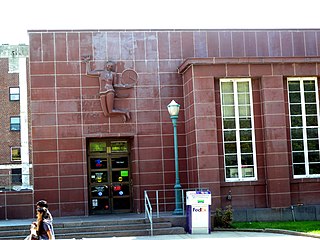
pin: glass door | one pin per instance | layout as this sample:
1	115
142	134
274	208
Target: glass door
99	185
120	183
109	176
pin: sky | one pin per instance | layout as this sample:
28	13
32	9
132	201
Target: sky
19	16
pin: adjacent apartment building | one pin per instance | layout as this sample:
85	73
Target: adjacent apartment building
248	127
15	167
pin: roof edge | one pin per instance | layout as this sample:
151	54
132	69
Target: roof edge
244	60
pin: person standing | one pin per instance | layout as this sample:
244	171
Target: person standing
43	226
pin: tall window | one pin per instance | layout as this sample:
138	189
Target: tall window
15	123
14	93
238	130
304	126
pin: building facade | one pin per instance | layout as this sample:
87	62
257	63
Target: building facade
15	167
248	127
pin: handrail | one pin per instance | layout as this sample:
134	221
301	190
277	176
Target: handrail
148	211
15	182
157	201
165	200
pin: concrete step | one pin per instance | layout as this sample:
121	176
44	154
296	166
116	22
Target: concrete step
123	233
94	229
13	233
103	228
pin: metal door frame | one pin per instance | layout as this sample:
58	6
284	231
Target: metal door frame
110	183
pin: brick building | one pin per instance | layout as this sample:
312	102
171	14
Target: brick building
248	127
15	165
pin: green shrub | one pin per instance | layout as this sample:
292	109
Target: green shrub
218	218
223	217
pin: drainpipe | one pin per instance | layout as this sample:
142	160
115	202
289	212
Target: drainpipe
292	210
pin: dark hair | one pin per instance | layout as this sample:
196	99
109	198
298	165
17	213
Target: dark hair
44	211
42	203
41	209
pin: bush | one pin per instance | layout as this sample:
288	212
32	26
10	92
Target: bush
217	222
223	217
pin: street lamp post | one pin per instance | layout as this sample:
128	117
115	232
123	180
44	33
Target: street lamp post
173	109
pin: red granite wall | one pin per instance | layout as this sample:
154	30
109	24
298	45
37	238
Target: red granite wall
275	186
190	128
66	109
201	130
275	141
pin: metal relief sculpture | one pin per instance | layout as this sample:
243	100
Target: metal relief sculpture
110	82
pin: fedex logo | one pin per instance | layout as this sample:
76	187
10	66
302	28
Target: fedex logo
199	209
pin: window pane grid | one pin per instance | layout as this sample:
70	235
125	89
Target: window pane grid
304	125
238	133
14	93
15	123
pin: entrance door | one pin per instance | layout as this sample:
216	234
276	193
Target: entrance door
109	176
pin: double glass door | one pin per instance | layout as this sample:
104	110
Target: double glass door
109	176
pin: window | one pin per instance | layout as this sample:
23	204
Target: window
98	147
15	123
15	154
304	126
119	146
238	130
16	176
14	93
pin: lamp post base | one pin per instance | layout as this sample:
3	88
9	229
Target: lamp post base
178	198
177	211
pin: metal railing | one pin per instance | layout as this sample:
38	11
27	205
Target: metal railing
15	182
12	183
148	211
164	201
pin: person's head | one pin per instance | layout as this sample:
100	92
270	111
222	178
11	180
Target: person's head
110	65
41	212
42	204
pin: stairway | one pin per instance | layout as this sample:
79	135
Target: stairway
99	229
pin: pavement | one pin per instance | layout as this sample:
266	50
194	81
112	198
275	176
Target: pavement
225	235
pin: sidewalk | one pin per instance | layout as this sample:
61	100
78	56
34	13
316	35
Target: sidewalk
225	235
